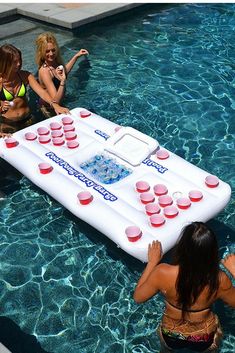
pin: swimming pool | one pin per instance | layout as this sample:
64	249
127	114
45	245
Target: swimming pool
168	72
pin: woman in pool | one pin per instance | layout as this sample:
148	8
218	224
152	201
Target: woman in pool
14	109
52	73
190	286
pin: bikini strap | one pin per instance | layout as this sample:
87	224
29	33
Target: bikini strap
188	311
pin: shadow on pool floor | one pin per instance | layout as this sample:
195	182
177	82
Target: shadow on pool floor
14	339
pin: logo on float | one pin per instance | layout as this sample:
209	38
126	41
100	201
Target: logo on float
157	166
80	176
102	134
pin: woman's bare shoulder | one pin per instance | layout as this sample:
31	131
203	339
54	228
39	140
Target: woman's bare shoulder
166	269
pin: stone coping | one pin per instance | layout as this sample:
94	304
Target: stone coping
67	15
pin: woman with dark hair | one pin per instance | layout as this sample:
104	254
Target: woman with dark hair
14	109
190	286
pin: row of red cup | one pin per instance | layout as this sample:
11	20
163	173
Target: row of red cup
56	134
165	202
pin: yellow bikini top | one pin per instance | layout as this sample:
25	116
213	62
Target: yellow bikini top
8	96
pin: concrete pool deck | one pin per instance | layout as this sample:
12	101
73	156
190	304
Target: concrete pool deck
67	15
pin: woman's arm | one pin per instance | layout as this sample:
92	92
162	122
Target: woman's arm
229	263
227	293
72	61
45	96
148	284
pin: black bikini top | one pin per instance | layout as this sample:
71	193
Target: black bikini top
188	311
55	80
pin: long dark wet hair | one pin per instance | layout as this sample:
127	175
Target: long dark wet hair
197	256
8	53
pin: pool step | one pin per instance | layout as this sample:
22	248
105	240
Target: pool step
3	349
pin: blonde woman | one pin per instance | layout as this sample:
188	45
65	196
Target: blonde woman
14	109
52	72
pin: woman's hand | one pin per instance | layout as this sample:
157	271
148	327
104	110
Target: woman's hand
60	73
82	52
5	134
6	105
154	253
60	110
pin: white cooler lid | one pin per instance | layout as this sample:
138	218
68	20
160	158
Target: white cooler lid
131	145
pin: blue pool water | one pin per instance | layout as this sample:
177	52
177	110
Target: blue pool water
168	72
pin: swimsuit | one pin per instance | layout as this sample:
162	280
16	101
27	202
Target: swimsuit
188	311
55	80
8	125
196	336
5	95
44	107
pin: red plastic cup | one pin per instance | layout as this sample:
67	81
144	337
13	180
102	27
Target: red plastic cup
160	189
195	195
72	144
170	211
133	233
58	141
45	168
212	181
142	186
84	197
56	133
162	154
157	220
165	200
43	131
85	113
44	139
67	120
30	136
183	203
152	208
146	197
70	136
11	142
68	128
55	126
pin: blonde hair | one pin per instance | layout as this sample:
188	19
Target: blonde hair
7	55
41	43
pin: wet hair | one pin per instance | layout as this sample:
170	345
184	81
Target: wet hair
8	53
197	256
41	43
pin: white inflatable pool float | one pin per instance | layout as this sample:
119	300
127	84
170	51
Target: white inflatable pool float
117	179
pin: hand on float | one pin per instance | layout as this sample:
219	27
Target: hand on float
58	109
229	263
4	134
154	253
